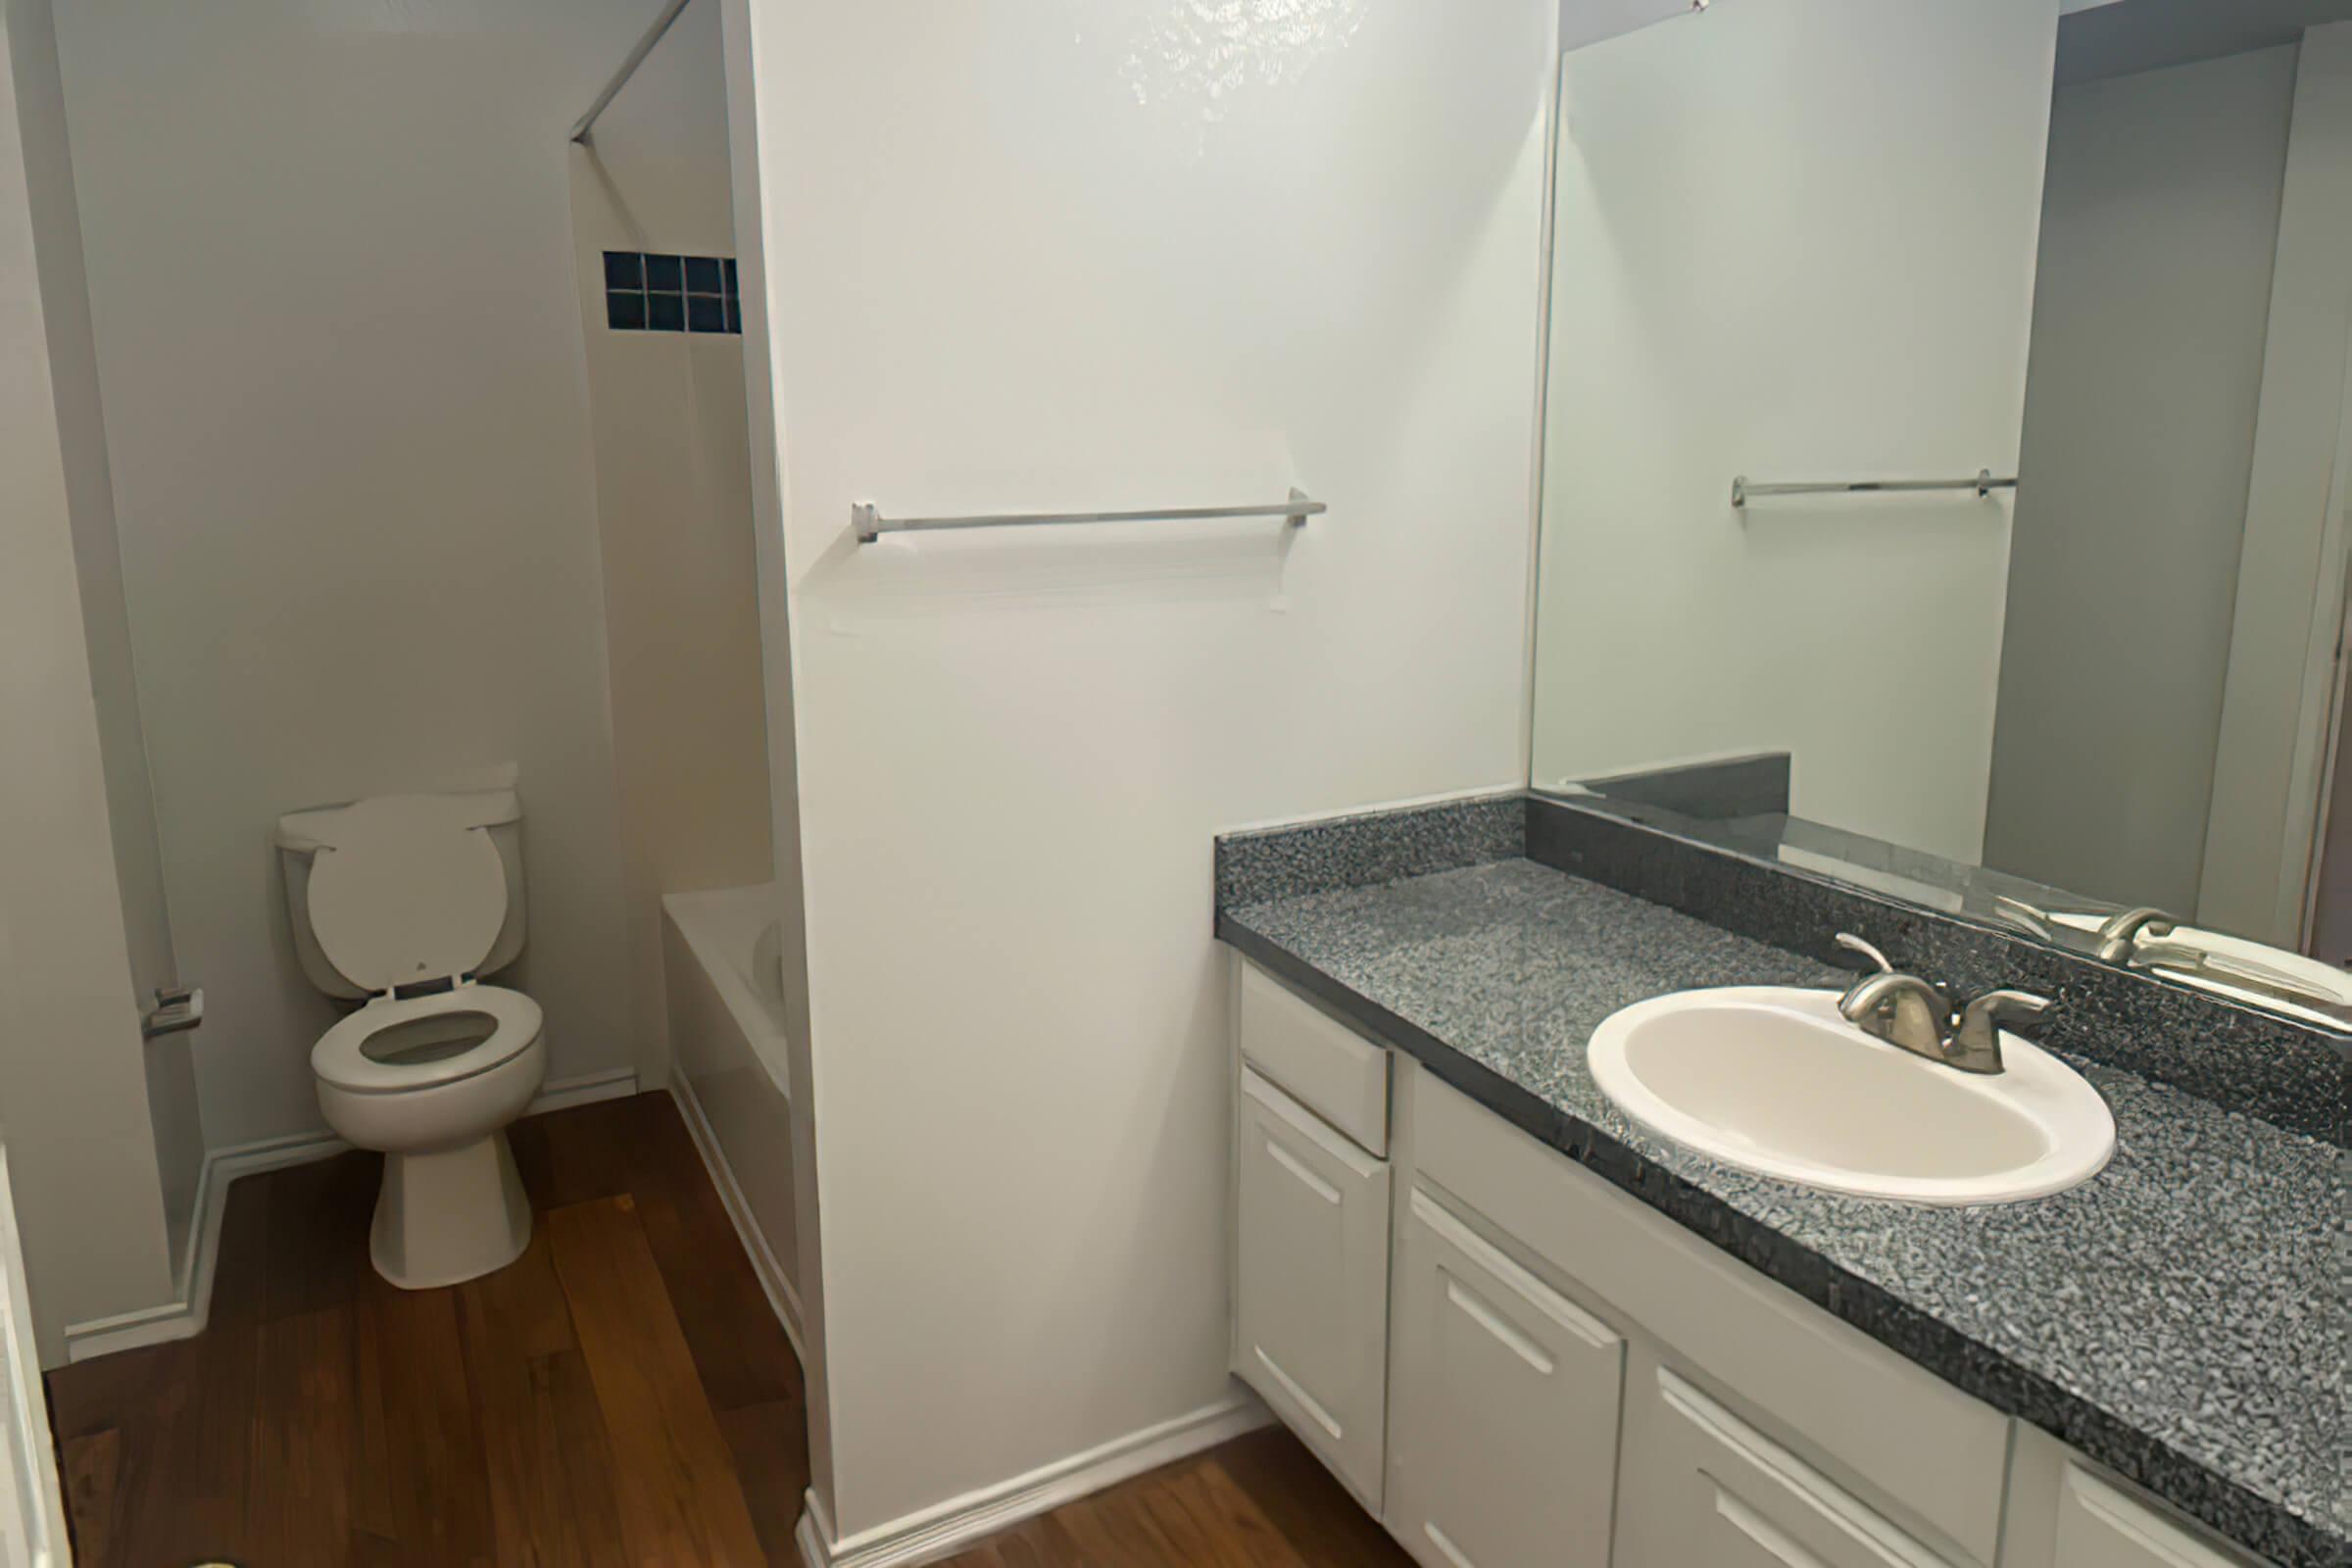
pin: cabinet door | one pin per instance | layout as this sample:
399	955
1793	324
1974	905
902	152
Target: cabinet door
1702	1489
1502	1439
2101	1527
1311	1297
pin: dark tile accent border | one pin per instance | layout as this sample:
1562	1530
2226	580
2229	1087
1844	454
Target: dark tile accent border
1262	865
2241	1058
670	293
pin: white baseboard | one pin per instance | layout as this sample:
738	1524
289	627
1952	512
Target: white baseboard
184	1315
775	1279
936	1532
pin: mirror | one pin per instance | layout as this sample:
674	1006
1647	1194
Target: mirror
1945	461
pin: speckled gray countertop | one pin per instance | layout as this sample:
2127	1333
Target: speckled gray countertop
2181	1317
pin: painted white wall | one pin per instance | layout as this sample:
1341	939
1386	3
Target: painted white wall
2269	757
2159	233
674	511
1795	240
753	119
72	1083
339	345
1020	257
98	564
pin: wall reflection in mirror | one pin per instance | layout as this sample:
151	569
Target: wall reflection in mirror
1822	246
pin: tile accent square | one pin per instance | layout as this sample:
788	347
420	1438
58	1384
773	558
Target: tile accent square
625	311
734	313
702	274
666	313
666	273
705	313
732	290
625	269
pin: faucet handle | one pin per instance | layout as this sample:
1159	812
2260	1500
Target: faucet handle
1854	944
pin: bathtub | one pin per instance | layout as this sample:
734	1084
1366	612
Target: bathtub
729	1068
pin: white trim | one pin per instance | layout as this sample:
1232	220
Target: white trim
935	1532
782	1298
184	1315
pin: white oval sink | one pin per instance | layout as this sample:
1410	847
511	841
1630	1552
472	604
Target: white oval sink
1773	1080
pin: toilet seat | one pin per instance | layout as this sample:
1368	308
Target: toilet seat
340	1059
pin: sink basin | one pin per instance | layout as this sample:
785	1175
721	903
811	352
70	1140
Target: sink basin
1773	1080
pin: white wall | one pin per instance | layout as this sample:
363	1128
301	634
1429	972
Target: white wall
98	564
1795	240
2160	229
339	345
674	511
1022	255
2270	760
72	1081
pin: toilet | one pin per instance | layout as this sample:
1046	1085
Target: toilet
404	903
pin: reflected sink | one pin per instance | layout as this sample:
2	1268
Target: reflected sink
1773	1080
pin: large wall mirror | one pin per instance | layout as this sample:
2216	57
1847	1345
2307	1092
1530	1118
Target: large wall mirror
1946	464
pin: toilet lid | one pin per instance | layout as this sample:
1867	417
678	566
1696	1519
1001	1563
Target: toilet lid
353	1054
406	889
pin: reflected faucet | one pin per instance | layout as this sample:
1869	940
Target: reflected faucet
1914	1015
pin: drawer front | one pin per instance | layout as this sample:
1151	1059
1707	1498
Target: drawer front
1311	1294
1880	1423
2100	1526
1314	1058
1502	1427
1702	1489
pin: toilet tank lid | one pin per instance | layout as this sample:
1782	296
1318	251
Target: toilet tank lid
318	827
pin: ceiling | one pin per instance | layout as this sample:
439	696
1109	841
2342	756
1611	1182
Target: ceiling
2136	36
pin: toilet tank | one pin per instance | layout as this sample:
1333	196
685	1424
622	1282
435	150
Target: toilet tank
499	812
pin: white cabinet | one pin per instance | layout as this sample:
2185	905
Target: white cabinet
1311	1283
2065	1515
1503	1435
1703	1489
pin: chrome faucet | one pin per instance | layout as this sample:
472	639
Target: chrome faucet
1914	1015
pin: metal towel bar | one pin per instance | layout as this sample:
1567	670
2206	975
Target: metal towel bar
1983	484
871	525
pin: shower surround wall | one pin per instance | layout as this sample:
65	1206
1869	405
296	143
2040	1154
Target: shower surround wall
346	411
673	509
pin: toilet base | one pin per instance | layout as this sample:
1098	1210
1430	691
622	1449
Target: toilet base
451	1215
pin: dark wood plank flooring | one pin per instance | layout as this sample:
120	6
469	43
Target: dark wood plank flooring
620	1395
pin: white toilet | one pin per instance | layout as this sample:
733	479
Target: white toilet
407	901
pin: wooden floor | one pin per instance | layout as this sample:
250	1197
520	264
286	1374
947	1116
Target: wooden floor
620	1395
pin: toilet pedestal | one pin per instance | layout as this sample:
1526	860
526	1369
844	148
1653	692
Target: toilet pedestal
449	1216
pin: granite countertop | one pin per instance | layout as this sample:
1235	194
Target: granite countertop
2181	1317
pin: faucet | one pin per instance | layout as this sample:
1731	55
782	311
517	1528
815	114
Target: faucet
2119	933
2117	936
1914	1015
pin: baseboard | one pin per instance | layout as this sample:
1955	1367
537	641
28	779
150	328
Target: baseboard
183	1316
935	1533
774	1280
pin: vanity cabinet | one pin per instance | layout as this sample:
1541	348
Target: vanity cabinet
1555	1375
1503	1434
1312	1281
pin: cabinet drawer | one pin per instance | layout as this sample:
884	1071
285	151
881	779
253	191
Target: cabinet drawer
1311	1287
1872	1418
1316	1059
1503	1422
2100	1526
1705	1490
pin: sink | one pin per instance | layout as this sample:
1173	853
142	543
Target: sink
1772	1079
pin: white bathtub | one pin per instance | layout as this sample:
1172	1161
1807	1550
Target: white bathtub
728	1061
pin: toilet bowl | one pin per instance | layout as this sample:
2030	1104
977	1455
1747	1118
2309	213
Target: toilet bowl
407	901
